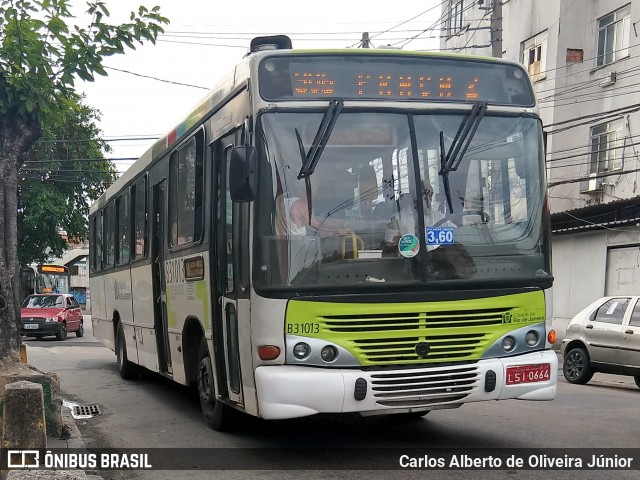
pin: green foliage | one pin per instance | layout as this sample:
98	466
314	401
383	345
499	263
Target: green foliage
58	181
41	54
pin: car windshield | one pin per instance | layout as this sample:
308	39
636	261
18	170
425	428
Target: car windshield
376	207
44	301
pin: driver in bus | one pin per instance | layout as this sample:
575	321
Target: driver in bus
292	214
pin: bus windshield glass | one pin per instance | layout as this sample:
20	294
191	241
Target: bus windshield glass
379	208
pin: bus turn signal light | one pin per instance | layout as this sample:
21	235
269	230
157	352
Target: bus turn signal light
268	352
552	336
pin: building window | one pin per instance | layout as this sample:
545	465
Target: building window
455	16
534	54
613	36
607	143
575	55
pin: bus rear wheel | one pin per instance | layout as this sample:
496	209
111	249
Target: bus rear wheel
216	414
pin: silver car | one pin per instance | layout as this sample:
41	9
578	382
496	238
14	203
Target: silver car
604	337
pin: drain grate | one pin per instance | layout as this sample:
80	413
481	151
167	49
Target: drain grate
86	410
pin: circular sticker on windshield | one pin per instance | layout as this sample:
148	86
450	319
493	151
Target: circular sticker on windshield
409	246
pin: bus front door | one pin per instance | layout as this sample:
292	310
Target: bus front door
226	331
158	246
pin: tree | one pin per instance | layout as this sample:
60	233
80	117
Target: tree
65	170
41	56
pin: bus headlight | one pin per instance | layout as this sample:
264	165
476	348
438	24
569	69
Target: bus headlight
508	343
532	338
329	353
301	350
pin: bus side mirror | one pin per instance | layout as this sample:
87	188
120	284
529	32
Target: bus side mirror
242	174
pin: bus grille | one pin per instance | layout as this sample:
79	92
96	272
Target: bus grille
413	321
411	389
392	338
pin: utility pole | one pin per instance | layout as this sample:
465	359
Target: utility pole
365	42
496	29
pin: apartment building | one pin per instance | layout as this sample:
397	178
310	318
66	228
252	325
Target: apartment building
583	57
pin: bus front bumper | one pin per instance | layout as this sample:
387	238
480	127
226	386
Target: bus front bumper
290	391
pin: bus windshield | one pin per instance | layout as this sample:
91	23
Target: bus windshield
380	208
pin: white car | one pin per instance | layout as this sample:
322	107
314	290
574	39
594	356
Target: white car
604	337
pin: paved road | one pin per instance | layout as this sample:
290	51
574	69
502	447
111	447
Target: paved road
152	412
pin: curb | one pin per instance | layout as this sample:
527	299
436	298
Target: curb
73	440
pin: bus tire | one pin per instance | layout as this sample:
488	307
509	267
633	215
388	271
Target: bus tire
216	414
125	367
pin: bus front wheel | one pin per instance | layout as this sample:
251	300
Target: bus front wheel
125	367
216	414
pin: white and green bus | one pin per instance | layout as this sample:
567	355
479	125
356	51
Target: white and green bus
329	231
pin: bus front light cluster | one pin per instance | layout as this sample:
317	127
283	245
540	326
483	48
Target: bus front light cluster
317	352
526	339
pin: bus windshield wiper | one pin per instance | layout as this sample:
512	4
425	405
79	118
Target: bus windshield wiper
451	161
310	158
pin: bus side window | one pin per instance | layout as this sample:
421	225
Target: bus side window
109	224
139	202
123	228
185	192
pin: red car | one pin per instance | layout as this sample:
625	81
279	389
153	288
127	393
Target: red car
51	314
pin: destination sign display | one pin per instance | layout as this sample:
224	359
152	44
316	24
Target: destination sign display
385	77
52	269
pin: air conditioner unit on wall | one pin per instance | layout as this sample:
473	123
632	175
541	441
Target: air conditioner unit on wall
607	79
591	185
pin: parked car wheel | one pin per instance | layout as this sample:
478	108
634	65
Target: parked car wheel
576	368
637	379
80	331
62	333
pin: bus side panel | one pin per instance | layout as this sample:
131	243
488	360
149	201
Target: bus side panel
102	324
118	299
143	316
185	298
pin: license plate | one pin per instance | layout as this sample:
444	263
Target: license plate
528	373
31	326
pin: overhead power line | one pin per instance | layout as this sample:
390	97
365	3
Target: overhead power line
156	78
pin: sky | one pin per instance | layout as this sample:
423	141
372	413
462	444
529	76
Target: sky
206	38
